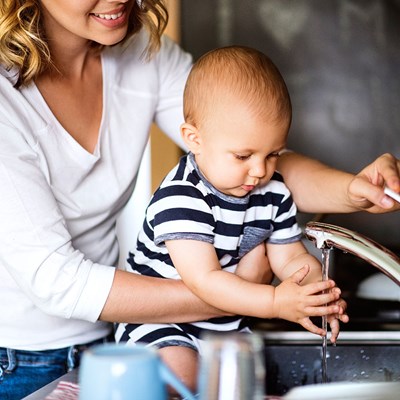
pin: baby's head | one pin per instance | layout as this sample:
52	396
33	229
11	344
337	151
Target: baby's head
237	113
236	74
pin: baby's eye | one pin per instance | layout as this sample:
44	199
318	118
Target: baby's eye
273	155
242	157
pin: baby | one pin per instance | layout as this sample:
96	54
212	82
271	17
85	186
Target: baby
223	200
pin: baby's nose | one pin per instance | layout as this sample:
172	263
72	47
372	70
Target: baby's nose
258	170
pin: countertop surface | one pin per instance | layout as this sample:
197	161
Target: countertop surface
46	390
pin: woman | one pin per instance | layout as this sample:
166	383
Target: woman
80	83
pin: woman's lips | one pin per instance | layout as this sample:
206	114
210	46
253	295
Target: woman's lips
111	19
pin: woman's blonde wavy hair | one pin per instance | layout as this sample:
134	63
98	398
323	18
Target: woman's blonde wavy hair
23	44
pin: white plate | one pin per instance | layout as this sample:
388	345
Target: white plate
346	391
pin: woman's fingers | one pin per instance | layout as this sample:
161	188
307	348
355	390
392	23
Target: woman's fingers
365	191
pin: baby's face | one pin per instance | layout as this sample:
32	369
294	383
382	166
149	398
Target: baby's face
239	150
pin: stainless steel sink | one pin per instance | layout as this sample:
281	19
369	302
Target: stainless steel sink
294	357
368	349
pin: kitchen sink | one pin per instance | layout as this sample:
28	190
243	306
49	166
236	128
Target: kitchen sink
291	364
293	357
368	348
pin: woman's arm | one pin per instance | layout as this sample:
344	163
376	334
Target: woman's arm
317	188
139	298
142	299
38	256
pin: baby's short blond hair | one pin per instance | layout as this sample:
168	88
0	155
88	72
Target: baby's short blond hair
241	72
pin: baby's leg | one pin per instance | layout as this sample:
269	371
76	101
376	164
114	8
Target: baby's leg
183	361
176	348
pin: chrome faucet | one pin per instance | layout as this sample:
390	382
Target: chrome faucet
326	236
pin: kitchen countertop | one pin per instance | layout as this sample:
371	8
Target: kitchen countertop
72	377
41	394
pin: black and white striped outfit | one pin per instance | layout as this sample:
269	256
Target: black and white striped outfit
187	206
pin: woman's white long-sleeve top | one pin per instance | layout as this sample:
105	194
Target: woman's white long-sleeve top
59	203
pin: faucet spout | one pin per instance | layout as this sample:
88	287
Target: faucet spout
327	235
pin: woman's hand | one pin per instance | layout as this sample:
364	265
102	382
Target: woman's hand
317	188
365	190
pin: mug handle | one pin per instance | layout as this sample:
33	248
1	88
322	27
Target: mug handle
169	377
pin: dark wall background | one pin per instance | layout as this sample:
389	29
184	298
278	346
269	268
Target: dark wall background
341	62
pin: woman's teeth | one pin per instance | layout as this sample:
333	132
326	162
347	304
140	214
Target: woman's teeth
108	16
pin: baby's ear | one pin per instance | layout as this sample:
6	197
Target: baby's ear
191	137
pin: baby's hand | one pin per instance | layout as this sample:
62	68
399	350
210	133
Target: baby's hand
334	319
297	303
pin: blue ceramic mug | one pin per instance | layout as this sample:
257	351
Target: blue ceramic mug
115	371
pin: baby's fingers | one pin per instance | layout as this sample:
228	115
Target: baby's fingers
319	311
341	315
307	324
325	298
334	324
343	318
318	287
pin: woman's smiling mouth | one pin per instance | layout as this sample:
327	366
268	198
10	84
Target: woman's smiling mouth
108	16
112	19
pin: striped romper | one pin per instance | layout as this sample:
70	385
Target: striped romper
187	206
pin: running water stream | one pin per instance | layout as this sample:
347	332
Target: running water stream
325	275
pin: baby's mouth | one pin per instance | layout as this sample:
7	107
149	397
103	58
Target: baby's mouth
248	188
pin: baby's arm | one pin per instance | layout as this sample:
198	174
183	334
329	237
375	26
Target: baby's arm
285	259
198	265
254	266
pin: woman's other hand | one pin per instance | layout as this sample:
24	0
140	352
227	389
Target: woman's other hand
365	190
